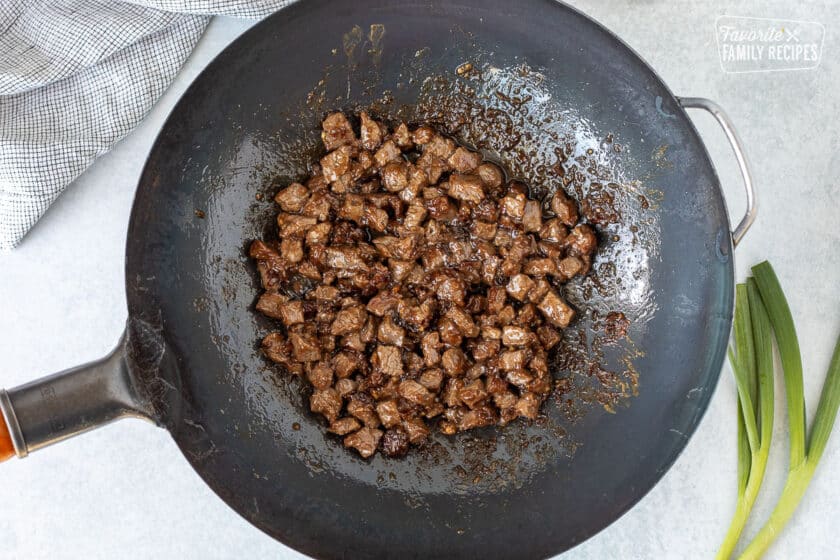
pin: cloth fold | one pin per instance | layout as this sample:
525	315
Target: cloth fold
75	77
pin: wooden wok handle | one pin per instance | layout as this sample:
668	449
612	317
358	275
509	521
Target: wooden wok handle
7	450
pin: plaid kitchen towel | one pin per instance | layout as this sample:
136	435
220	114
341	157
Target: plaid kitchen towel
78	75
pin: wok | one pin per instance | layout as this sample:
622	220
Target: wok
536	71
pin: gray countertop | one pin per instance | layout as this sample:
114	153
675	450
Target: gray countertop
126	492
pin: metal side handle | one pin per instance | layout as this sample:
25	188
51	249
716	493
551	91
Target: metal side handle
66	404
737	148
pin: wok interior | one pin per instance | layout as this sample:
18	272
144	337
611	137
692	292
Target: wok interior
541	77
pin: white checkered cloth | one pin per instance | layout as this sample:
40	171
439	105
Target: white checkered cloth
75	77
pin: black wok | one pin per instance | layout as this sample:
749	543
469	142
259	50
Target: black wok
190	361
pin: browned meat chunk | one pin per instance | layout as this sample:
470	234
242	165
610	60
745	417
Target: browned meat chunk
569	267
516	336
336	163
532	216
270	304
372	132
364	441
519	286
348	320
528	406
564	208
388	413
387	153
305	348
416	430
337	131
344	426
292	198
390	332
466	187
556	310
326	402
454	362
395	443
387	359
395	176
321	376
415	393
581	241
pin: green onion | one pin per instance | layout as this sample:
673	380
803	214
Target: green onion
802	463
752	364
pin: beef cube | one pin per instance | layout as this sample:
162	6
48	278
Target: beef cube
292	250
511	360
506	315
451	395
516	336
336	131
348	320
519	286
422	135
345	258
496	298
345	363
320	375
513	206
352	208
555	310
388	360
491	176
441	209
519	378
361	406
388	413
432	167
449	332
372	132
466	187
318	234
464	161
473	393
528	406
541	287
463	321
375	218
382	303
581	241
325	293
450	289
415	393
430	345
270	304
277	348
402	137
292	225
486	349
416	316
391	333
291	313
532	217
454	362
569	267
480	417
395	176
564	208
540	267
292	198
527	316
432	379
490	332
553	230
344	426
305	347
440	147
387	153
326	402
395	443
336	163
416	430
364	441
484	230
549	337
345	387
415	214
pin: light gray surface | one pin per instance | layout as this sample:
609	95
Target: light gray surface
125	491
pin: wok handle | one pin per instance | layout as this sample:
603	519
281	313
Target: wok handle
737	148
67	404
